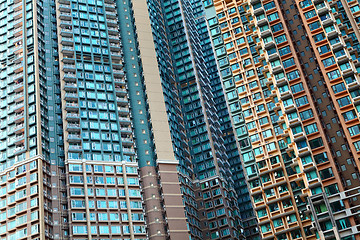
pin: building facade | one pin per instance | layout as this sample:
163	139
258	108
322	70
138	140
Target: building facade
290	73
109	124
71	144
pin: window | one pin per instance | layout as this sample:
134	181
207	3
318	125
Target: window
319	37
293	75
301	144
277	27
328	61
310	14
311	175
280	39
263	121
296	130
284	50
269	6
324	49
321	158
326	173
338	88
297	88
258	151
349	115
309	129
301	101
305	160
344	101
316	143
289	62
314	25
354	130
273	16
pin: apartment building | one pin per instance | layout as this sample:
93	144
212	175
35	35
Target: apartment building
290	72
109	124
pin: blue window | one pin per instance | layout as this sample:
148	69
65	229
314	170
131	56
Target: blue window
344	101
289	62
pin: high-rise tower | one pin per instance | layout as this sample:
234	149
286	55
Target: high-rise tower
72	139
290	72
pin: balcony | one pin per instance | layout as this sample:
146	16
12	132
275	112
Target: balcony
114	39
128	151
338	45
18	67
269	44
71	96
281	82
75	148
69	68
343	58
65	24
123	110
119	81
64	8
328	21
322	8
289	108
265	33
304	151
18	32
111	15
72	117
109	6
116	55
19	87
262	21
19	107
124	120
126	130
71	106
19	139
313	181
333	33
65	16
285	94
19	128
118	73
18	23
19	149
19	117
117	66
127	141
66	32
122	92
299	136
73	127
70	76
276	69
17	6
67	41
115	47
67	50
122	101
259	11
19	97
113	30
112	23
70	86
74	138
348	71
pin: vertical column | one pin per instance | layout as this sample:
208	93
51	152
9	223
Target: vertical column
166	163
